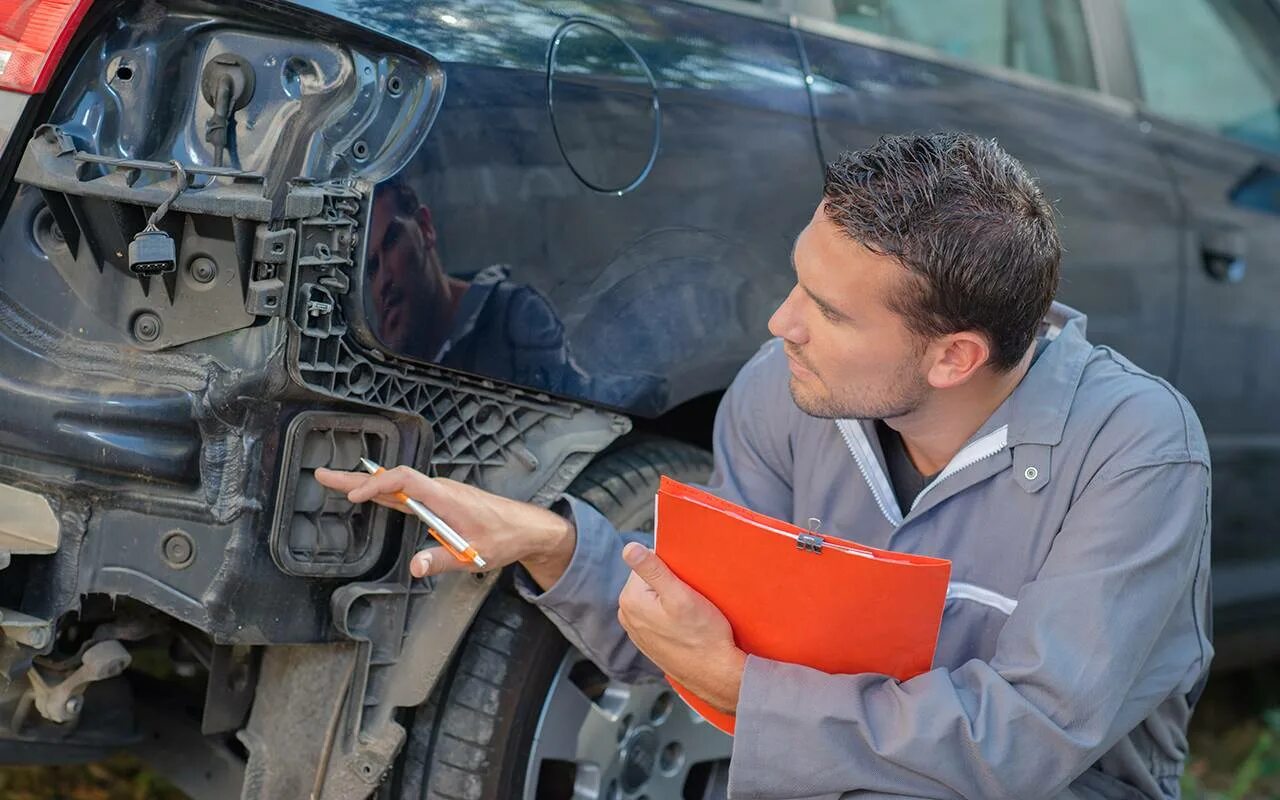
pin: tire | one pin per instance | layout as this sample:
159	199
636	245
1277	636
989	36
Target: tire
492	730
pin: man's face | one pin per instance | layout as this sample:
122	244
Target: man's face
404	280
851	357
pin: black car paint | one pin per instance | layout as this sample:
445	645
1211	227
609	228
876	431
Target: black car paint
643	299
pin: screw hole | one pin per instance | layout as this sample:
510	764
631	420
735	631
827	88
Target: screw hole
394	85
278	247
671	759
661	708
271	302
124	72
360	150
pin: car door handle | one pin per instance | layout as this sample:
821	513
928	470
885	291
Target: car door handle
1222	253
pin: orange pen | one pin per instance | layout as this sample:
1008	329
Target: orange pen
450	539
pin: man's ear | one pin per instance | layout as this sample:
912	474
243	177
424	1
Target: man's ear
956	357
422	216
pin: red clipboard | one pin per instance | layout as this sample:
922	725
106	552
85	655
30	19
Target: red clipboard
795	596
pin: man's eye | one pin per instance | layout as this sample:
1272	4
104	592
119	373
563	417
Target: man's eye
829	315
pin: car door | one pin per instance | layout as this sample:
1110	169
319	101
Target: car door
1210	74
1023	73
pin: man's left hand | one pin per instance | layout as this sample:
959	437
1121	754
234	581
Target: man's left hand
680	630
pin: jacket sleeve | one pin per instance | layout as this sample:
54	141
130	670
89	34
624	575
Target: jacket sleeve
1104	634
752	468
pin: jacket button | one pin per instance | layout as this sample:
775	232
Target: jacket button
1031	474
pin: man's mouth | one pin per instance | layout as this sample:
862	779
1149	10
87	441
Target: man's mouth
798	367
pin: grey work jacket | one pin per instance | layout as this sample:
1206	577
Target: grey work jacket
1076	625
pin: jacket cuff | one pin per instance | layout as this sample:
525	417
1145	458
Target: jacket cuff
773	729
755	721
596	546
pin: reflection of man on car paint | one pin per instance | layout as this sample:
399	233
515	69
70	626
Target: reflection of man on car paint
413	299
482	322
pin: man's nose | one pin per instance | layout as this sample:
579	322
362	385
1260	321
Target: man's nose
785	321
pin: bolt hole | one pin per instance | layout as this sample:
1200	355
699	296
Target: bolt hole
671	759
360	378
271	302
394	85
124	72
360	150
661	708
278	247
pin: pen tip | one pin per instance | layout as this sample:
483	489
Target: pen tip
368	465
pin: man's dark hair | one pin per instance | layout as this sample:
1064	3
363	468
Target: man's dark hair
967	221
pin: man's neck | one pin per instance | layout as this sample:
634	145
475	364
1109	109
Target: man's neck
934	433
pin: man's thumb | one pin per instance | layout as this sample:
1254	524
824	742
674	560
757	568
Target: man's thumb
645	563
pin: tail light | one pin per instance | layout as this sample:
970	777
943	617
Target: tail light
33	36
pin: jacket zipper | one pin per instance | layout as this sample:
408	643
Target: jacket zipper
856	440
972	453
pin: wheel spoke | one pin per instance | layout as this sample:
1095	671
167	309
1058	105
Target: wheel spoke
701	740
598	739
566	712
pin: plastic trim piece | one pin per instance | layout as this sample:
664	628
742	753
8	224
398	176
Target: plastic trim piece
345	540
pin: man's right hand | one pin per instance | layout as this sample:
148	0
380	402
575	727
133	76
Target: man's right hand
504	531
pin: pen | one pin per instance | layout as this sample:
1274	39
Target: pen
445	535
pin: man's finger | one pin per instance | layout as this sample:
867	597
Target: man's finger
346	482
646	564
339	480
392	481
436	561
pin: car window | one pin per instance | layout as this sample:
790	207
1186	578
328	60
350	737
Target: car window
1040	37
1233	91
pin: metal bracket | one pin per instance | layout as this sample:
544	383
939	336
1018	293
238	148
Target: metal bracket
25	629
61	702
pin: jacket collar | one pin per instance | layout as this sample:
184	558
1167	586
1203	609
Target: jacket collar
1036	411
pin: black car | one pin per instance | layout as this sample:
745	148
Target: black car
524	245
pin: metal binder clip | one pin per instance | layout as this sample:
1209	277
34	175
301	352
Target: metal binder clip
811	541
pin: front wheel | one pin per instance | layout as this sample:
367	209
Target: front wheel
524	715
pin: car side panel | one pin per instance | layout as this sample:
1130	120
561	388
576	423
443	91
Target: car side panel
638	299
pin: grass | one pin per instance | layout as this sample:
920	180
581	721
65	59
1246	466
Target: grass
121	778
1235	739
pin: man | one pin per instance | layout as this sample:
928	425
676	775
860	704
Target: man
923	395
